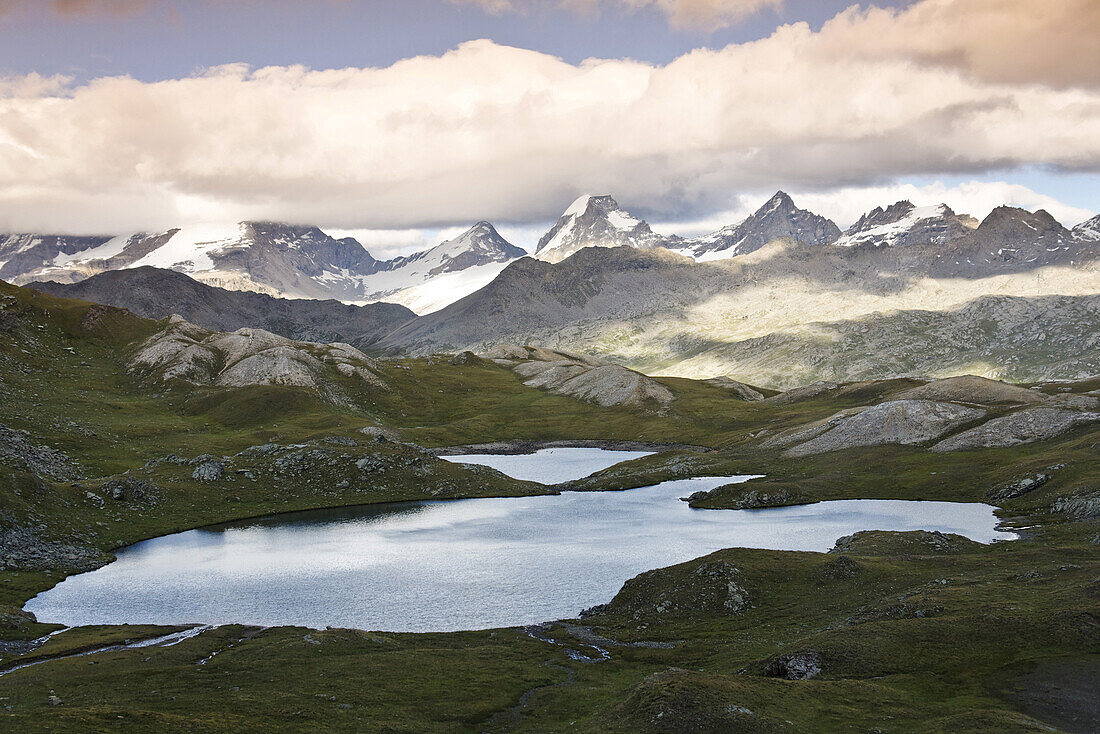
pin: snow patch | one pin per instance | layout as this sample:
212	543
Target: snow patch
106	251
578	207
888	234
188	250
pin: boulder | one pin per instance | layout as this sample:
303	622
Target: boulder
794	666
209	471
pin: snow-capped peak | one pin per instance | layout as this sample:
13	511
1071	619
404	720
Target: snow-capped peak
903	223
777	217
594	221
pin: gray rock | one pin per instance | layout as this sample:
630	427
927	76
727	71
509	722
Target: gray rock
183	351
904	422
794	666
606	384
1082	504
1024	426
209	471
18	451
1019	487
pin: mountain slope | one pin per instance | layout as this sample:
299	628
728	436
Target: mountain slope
655	311
429	280
594	221
776	219
1088	230
155	293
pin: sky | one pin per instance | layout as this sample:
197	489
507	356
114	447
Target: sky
402	122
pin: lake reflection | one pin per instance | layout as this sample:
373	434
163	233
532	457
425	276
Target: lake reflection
464	564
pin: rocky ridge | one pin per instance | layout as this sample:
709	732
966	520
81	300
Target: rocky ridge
778	218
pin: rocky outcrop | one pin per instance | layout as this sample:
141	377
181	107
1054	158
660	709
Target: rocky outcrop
20	452
1081	504
972	389
1018	487
1024	426
794	666
521	353
23	549
582	377
708	587
904	422
739	389
903	543
739	497
806	392
607	385
185	352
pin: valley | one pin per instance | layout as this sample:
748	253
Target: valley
905	631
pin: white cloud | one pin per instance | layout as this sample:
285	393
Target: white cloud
492	132
1044	41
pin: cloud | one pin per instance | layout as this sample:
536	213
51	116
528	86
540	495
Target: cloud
492	132
684	14
1047	42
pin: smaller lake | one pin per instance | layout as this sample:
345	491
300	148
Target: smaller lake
550	466
460	564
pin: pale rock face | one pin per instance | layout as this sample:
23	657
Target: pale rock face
594	221
740	389
607	385
278	365
1023	426
904	422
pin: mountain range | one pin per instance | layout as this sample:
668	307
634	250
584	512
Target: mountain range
272	258
601	281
